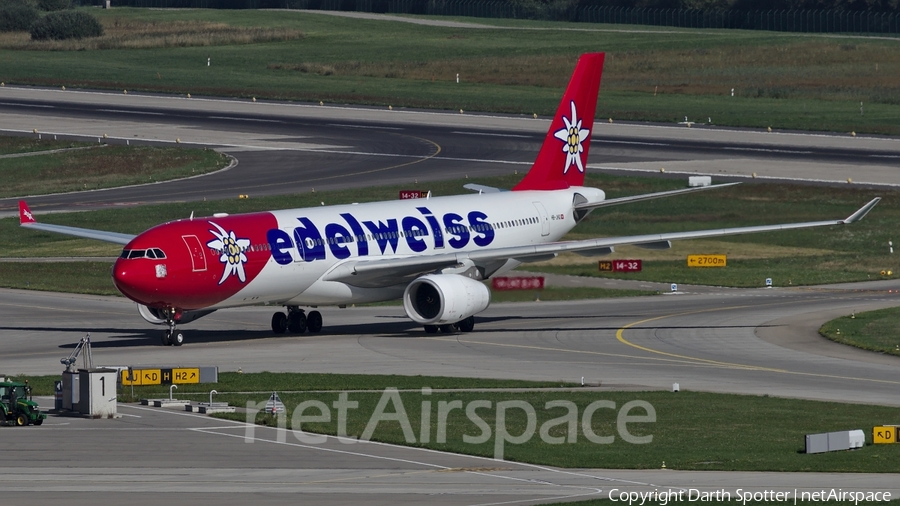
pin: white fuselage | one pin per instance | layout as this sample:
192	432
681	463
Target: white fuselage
311	242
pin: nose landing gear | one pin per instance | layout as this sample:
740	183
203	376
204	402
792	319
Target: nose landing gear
296	321
172	336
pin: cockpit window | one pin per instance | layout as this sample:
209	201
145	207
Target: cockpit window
143	253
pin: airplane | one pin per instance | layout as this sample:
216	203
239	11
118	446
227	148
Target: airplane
433	253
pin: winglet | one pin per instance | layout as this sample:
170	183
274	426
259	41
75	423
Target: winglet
862	212
25	216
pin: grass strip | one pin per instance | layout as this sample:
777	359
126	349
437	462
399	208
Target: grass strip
871	330
743	273
284	381
16	145
105	166
692	431
724	77
93	278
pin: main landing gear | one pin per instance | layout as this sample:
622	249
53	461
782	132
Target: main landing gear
466	325
296	321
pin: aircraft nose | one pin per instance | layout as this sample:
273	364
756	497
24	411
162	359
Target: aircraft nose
135	281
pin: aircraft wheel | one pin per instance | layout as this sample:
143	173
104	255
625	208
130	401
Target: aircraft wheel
431	329
447	329
22	420
165	339
314	321
297	322
466	325
177	339
279	323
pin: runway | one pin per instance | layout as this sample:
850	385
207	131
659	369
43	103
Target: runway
284	148
720	340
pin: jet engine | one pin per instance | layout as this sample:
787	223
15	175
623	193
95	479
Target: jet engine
158	317
438	299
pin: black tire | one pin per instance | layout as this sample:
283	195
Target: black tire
447	329
39	421
165	339
22	420
467	325
279	323
177	338
431	329
297	322
314	321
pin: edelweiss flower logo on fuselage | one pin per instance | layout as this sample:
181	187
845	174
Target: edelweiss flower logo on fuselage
572	136
232	252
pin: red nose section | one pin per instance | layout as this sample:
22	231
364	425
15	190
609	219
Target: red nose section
137	280
194	264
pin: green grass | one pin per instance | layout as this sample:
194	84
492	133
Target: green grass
872	330
266	382
15	145
71	277
559	293
746	273
100	166
693	431
781	80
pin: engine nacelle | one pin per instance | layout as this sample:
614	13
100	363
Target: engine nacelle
157	317
438	299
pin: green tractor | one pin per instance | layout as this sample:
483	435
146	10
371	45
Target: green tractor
16	408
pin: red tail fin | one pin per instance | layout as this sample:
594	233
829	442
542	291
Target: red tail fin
563	157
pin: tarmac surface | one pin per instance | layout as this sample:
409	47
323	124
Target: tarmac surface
745	341
284	148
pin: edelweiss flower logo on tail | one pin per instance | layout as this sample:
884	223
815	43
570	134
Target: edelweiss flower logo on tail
572	136
232	250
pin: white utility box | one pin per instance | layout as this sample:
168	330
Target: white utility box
98	393
699	181
857	439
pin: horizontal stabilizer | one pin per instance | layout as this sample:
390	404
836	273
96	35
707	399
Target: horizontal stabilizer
480	188
647	196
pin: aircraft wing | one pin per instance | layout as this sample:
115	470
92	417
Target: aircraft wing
392	271
26	219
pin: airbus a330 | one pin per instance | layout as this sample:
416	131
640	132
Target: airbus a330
432	253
